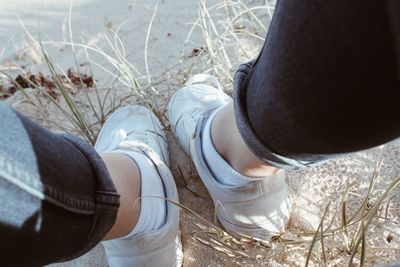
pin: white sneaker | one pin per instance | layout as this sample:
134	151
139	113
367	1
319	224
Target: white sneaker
260	209
136	128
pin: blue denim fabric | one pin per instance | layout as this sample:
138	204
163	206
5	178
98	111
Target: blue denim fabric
57	200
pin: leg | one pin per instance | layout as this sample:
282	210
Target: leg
233	148
126	177
58	198
325	83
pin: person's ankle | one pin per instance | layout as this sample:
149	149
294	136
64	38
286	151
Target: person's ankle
233	148
253	170
125	175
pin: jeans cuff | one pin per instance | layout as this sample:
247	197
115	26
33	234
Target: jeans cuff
250	137
106	198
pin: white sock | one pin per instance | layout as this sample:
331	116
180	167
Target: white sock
153	212
222	171
153	209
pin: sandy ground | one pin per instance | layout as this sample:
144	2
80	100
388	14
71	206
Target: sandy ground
311	189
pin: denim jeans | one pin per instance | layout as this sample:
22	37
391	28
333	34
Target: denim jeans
325	84
57	200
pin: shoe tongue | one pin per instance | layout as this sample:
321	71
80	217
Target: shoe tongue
117	136
119	133
209	98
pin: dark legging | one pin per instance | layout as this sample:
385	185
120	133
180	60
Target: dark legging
325	83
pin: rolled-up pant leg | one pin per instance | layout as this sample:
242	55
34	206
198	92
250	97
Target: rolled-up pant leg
57	200
326	82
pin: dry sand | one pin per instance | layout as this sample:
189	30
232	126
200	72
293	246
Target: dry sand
311	189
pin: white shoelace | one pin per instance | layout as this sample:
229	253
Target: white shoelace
213	99
211	96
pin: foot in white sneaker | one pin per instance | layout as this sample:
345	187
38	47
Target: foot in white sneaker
260	208
137	133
